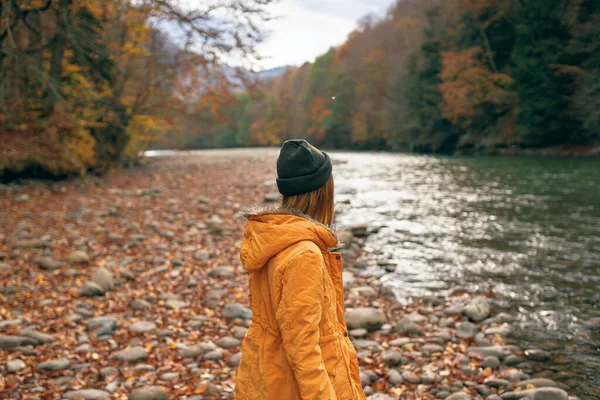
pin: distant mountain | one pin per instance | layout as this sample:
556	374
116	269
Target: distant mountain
273	72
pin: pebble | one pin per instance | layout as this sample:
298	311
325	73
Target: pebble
15	365
144	368
176	304
214	355
149	393
497	383
78	257
483	390
4	266
503	330
240	332
234	360
365	344
228	342
428	378
90	289
538	383
546	393
348	279
407	326
392	357
459	396
485	351
83	348
169	376
537	355
367	318
466	330
478	309
87	394
394	377
55	365
453	310
47	263
367	291
410	377
512	359
142	327
358	333
429	349
22	198
236	311
272	197
103	278
365	379
491	362
108	371
140	304
401	341
40	337
132	354
32	244
222	272
381	396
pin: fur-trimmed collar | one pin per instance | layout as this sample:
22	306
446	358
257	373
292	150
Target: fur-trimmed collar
257	211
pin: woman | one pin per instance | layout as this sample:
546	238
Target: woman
297	346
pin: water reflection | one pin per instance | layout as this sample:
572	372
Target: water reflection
527	228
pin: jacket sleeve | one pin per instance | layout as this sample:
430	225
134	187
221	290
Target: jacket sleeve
298	317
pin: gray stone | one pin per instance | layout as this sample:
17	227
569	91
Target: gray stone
202	256
176	304
365	379
428	378
497	383
392	357
368	318
348	279
485	351
234	360
466	330
169	376
87	394
140	304
401	341
214	355
365	344
429	349
358	333
132	354
142	327
483	390
381	396
512	360
22	198
367	291
78	257
148	393
407	326
144	368
478	309
453	310
89	289
228	342
194	351
459	396
108	372
236	311
222	272
394	377
538	383
15	365
272	197
32	244
240	332
416	318
47	263
4	266
83	348
502	330
103	278
537	355
55	365
491	362
442	394
39	337
112	386
545	393
409	377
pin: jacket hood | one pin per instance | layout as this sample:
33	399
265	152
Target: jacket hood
272	229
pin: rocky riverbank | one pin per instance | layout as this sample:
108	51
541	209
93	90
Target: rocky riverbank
129	286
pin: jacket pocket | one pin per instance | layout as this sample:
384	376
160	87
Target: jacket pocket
331	356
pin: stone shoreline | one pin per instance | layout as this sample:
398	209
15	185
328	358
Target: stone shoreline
441	347
130	286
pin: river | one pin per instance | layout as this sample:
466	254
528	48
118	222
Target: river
527	228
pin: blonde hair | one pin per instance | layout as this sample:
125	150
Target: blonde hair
317	204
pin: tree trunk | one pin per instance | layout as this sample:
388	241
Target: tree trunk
57	51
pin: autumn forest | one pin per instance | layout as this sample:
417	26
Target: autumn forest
86	84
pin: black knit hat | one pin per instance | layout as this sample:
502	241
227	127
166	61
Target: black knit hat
301	167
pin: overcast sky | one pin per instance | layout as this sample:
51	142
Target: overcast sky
304	29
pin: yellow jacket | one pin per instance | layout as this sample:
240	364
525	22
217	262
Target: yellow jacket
297	346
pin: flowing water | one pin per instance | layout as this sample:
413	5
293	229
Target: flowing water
527	228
